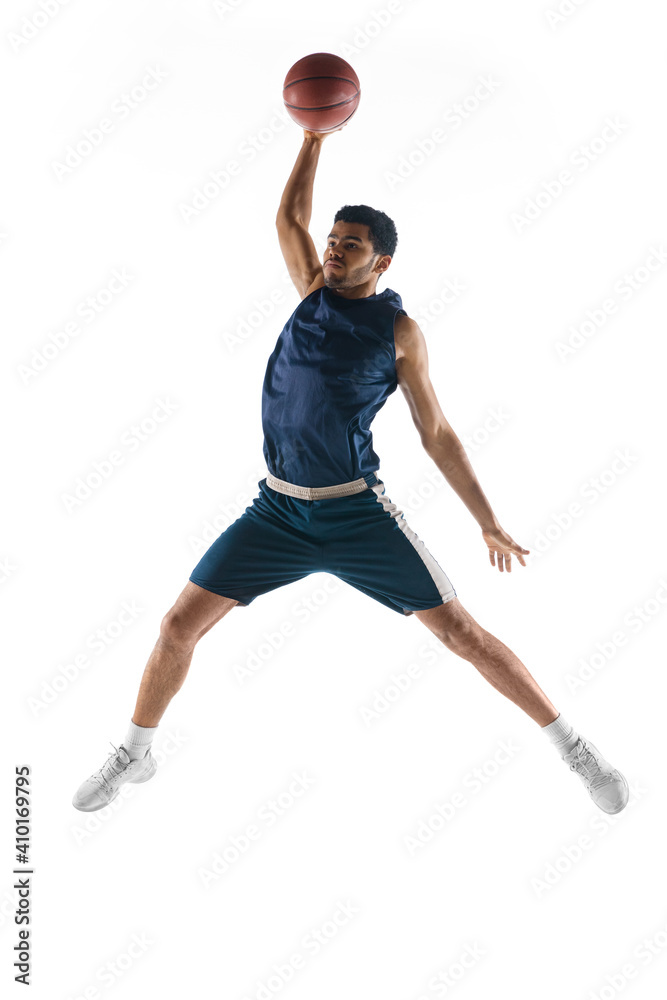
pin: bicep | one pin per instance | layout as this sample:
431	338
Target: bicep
299	252
414	379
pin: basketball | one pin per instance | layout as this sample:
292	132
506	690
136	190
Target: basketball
321	92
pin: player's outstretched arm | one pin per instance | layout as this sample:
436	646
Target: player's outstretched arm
294	213
442	444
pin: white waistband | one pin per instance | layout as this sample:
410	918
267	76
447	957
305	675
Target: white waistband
317	492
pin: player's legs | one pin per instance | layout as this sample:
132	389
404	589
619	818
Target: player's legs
195	612
458	630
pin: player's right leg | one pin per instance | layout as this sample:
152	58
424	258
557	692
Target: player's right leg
267	547
195	612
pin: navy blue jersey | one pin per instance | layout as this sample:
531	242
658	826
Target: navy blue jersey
332	369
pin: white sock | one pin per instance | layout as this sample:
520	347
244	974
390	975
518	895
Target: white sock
561	734
138	740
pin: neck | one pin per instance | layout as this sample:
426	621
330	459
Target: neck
358	292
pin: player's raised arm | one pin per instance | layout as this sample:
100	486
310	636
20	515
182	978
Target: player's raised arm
294	213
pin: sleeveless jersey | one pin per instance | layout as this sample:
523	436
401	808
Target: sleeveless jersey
332	369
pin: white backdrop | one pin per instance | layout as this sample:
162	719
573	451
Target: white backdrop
294	843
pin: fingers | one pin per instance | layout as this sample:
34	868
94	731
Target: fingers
492	555
505	560
520	552
505	554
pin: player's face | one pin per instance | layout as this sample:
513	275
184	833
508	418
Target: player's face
349	247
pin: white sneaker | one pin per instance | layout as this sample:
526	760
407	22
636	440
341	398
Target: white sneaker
604	783
103	786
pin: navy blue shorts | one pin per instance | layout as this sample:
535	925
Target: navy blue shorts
362	539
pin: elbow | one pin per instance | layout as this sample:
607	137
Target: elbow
285	218
440	440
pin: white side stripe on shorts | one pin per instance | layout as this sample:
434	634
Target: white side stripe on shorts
438	575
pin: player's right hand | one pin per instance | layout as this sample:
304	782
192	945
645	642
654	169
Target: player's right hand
309	134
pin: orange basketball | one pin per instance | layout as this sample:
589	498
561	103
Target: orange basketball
321	92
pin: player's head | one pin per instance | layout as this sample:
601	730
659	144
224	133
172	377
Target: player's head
363	241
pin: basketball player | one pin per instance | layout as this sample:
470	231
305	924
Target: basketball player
322	508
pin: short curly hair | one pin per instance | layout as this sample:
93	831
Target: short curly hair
381	229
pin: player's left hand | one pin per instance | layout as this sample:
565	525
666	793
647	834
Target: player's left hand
502	545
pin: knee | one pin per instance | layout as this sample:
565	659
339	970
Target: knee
463	637
177	630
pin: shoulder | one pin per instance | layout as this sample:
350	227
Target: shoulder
407	335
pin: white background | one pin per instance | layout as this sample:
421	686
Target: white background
503	878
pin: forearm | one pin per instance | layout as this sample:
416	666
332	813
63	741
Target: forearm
297	199
450	457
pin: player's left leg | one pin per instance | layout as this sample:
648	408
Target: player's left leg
459	632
